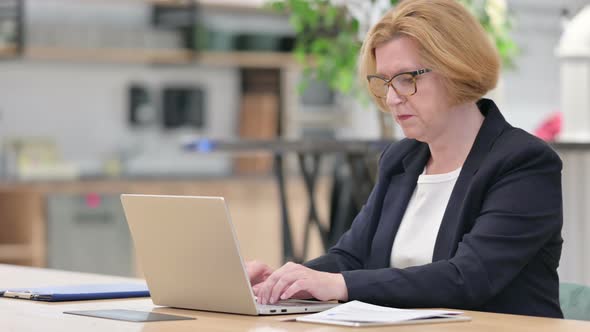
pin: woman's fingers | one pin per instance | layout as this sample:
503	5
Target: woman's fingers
257	272
256	289
297	290
320	285
266	289
286	280
295	280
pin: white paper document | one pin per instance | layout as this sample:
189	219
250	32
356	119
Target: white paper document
358	313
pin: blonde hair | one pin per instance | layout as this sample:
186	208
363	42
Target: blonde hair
452	43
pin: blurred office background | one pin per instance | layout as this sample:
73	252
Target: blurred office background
99	98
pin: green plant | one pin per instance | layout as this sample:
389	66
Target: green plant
328	43
497	21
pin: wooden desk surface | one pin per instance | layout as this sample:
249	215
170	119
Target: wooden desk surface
23	315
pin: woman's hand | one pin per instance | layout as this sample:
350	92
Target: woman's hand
297	281
257	272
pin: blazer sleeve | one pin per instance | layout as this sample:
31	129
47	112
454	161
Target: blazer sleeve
354	246
521	211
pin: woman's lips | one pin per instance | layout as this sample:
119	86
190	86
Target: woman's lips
404	117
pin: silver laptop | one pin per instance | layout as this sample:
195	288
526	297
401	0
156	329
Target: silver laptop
188	251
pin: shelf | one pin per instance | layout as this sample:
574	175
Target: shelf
8	51
15	252
168	2
172	56
325	119
256	5
163	56
149	2
247	59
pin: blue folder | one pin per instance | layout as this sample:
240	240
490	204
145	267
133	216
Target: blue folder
79	292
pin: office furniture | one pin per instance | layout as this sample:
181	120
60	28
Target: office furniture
575	301
165	15
22	227
23	240
12	32
358	157
574	265
22	315
88	233
23	205
253	203
573	51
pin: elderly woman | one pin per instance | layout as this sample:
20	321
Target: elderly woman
467	210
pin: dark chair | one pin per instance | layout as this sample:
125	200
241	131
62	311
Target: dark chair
575	301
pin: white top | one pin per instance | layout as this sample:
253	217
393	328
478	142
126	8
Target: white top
415	238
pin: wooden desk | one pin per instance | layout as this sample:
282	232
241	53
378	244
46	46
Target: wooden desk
22	315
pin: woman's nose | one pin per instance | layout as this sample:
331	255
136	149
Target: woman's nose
393	98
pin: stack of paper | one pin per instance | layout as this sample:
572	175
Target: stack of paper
358	313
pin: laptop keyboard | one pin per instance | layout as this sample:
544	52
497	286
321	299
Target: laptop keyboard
281	305
287	303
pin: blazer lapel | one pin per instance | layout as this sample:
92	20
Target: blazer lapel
492	127
400	189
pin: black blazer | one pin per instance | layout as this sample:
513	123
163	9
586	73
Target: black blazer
499	242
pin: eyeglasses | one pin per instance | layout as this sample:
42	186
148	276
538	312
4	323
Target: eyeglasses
404	84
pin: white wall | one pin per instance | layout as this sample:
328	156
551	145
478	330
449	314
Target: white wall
84	108
531	91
